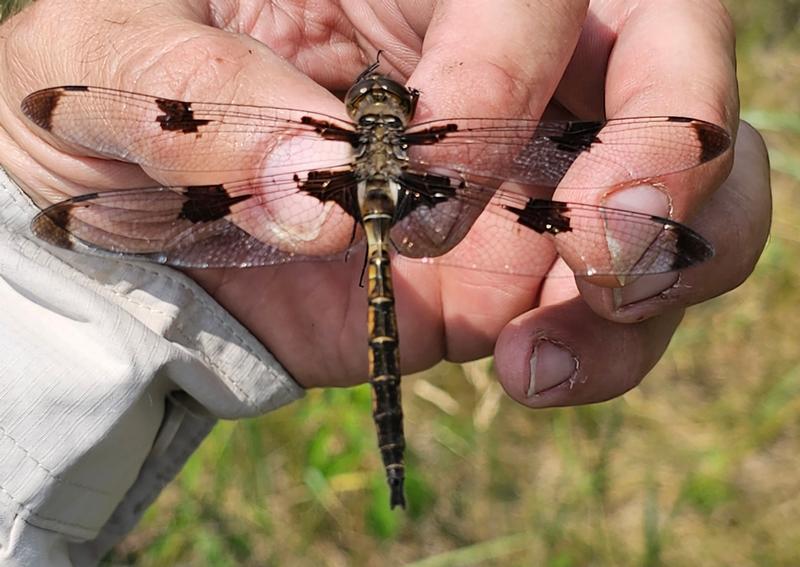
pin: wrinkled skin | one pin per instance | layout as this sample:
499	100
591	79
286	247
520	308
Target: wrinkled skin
564	58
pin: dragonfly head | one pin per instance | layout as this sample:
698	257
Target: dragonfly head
375	94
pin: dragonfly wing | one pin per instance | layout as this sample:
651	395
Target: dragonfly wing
239	224
539	153
435	211
517	233
173	135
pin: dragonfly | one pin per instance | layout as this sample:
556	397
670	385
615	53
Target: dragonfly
375	183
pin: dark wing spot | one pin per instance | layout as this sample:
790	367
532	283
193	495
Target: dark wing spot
543	215
430	135
577	136
690	247
208	203
331	132
713	140
178	116
51	225
426	190
337	186
39	107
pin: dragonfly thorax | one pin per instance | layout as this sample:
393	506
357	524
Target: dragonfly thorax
381	153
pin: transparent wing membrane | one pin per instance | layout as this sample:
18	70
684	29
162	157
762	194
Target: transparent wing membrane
289	189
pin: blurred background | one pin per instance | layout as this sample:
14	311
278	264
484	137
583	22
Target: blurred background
700	465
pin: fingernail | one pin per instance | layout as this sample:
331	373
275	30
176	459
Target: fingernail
645	287
551	365
645	199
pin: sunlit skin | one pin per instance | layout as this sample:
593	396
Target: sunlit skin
312	316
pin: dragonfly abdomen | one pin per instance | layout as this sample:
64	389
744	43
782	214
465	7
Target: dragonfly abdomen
384	359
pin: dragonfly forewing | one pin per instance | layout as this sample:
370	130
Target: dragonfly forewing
539	153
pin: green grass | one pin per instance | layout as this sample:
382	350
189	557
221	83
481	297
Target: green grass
9	7
698	466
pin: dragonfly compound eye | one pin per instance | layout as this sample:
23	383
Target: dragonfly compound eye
378	94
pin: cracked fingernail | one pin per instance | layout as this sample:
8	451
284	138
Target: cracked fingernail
645	287
645	199
551	364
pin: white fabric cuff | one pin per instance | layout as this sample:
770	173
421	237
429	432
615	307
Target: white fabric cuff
112	373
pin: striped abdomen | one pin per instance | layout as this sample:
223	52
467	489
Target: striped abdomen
384	360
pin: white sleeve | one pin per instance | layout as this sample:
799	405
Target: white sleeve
112	373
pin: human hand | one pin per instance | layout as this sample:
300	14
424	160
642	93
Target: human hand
312	317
